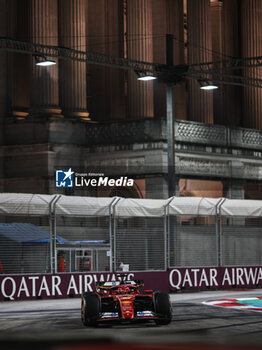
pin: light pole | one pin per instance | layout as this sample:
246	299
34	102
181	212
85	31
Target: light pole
170	118
167	79
170	128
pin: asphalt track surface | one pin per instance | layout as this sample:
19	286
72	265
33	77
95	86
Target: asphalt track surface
56	324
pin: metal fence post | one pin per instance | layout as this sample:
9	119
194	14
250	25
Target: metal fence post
112	233
167	234
218	232
52	225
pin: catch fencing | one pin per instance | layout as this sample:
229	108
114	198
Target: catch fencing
56	234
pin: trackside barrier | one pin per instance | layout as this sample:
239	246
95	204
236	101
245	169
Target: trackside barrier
28	287
68	235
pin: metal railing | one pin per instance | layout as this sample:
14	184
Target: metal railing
185	132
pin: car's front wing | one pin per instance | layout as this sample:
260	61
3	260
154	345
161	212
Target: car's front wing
140	316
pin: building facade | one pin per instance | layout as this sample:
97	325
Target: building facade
85	116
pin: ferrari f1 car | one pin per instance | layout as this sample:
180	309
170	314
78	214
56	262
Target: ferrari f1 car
125	302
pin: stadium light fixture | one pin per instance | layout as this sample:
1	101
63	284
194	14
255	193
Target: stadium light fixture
44	62
207	85
146	78
143	76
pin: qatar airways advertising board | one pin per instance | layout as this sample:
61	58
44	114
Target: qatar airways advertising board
26	287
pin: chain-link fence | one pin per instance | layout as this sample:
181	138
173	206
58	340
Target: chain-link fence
241	240
86	243
24	244
56	234
192	241
140	244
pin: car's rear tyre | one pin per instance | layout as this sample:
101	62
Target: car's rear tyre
163	308
90	309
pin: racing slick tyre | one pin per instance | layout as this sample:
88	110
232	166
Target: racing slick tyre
90	309
162	308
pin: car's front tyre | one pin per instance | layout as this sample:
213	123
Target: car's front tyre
90	309
162	308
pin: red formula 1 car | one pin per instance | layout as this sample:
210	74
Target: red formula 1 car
124	302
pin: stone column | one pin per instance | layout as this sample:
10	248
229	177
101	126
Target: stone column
216	7
168	18
200	102
139	47
20	65
251	43
44	30
3	66
106	89
3	89
231	114
72	74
